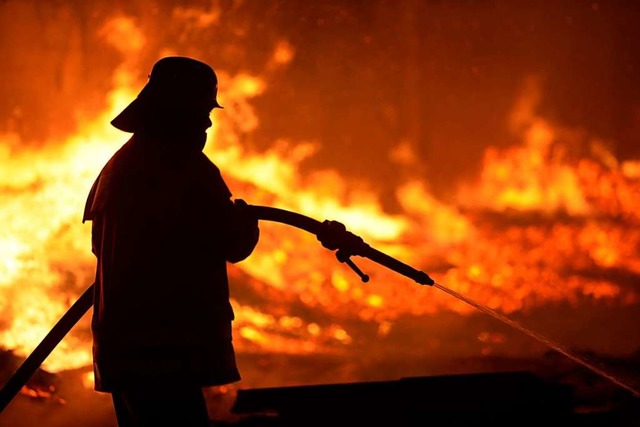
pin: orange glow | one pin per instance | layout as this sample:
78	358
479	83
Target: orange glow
496	240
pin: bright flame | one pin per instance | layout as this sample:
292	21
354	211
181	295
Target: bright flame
498	242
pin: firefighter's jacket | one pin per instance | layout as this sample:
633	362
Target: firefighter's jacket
163	228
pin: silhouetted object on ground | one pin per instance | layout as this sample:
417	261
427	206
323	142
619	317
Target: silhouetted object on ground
499	399
164	227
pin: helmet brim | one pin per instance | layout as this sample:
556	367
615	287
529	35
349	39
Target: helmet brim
130	119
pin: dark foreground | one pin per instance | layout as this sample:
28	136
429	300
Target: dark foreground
480	391
497	399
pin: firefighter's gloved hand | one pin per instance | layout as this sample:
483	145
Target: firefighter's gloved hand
334	235
243	213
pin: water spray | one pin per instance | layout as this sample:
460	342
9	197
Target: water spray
557	347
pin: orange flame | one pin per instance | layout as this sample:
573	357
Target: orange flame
498	243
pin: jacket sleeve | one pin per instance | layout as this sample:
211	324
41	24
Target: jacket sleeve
239	229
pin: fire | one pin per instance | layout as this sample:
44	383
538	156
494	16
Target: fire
499	241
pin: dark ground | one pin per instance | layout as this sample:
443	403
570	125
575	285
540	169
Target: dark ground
503	391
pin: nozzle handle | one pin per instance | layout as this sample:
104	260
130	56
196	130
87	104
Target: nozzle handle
346	258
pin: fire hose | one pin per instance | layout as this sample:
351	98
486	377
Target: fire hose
332	234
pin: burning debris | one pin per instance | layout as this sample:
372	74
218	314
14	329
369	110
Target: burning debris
42	385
